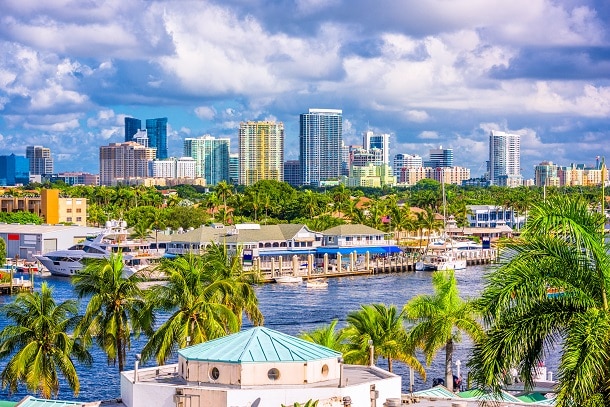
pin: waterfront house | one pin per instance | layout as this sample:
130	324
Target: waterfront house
258	367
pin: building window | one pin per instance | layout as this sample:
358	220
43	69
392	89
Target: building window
69	210
69	219
78	210
273	374
214	373
79	219
325	370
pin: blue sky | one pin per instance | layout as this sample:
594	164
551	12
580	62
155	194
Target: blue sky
429	72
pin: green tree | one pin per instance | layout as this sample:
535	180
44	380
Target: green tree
116	307
207	296
2	250
383	326
562	248
327	336
439	320
39	343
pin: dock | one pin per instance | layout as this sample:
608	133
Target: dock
16	286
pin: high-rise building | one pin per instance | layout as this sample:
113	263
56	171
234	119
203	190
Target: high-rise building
211	157
132	126
406	161
14	170
292	172
41	162
320	141
141	137
122	162
545	174
76	178
157	136
440	158
380	142
504	165
234	168
261	151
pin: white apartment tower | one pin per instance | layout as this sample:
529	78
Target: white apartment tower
504	166
41	162
406	161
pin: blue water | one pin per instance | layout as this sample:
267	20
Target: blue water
291	309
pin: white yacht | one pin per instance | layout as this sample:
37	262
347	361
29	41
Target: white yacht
113	239
446	260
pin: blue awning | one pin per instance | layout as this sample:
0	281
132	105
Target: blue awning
262	253
359	250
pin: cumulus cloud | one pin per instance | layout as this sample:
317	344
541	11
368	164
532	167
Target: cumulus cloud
428	135
205	112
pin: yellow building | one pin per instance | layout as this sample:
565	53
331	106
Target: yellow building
370	175
261	151
48	205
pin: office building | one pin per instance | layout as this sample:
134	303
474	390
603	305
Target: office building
132	126
545	174
380	142
292	172
41	162
504	165
320	142
406	161
76	178
440	158
157	136
124	162
14	170
234	168
261	151
211	157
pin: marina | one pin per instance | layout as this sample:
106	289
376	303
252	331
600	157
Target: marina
292	309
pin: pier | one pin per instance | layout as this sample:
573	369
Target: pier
353	265
15	286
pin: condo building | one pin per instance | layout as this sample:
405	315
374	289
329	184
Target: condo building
261	151
440	157
157	136
380	143
211	155
41	162
320	142
132	126
406	161
124	162
504	165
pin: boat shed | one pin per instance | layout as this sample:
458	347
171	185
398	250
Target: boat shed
24	241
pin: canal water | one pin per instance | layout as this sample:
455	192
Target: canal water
291	309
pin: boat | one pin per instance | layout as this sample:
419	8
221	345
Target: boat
441	254
317	283
446	260
288	279
114	238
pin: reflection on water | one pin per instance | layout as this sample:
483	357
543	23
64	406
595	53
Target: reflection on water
292	309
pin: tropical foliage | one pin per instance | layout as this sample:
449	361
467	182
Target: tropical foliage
439	319
40	345
116	307
562	248
207	296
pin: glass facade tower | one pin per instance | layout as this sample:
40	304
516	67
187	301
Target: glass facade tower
320	140
157	136
132	126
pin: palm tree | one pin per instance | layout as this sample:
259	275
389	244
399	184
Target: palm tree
207	294
562	248
440	319
40	344
116	307
383	326
327	336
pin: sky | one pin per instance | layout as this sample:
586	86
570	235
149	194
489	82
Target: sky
428	72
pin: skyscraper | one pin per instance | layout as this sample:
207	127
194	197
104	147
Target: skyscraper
440	158
132	126
261	151
381	142
504	166
234	168
157	136
41	162
320	137
211	157
14	170
406	161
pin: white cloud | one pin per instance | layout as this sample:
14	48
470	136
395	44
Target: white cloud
428	135
205	112
418	116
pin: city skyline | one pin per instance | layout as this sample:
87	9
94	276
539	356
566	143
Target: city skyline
443	73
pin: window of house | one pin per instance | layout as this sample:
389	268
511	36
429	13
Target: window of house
273	374
214	373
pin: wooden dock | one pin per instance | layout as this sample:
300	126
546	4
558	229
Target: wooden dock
17	285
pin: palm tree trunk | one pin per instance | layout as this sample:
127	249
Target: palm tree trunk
120	351
390	364
448	363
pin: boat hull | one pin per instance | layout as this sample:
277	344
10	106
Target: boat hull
288	279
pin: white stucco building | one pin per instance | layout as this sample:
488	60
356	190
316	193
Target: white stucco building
258	367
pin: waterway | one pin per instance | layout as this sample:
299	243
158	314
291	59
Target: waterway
291	309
